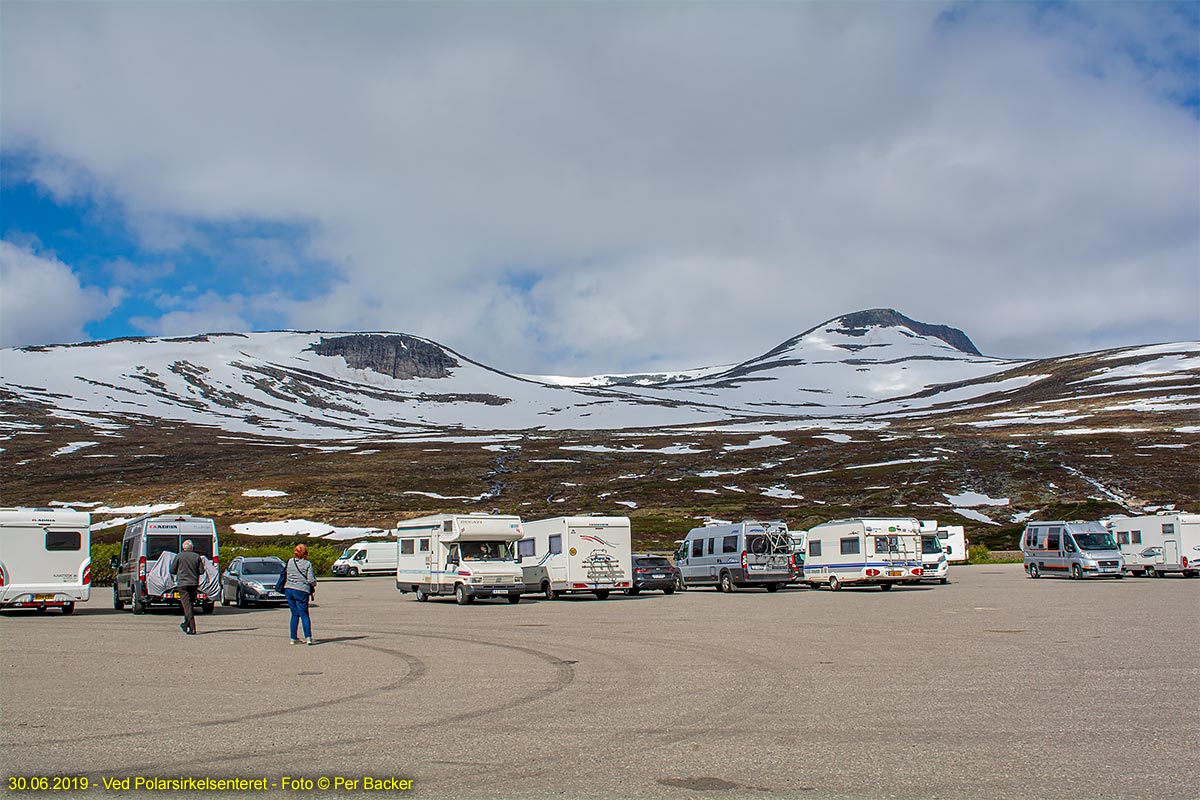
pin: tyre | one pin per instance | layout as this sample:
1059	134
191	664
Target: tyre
726	584
549	593
1034	572
669	590
1191	573
139	604
460	595
352	572
513	599
1119	575
422	595
885	587
1151	572
225	598
242	602
943	581
68	608
1076	572
772	587
635	592
207	608
835	583
602	594
118	603
679	584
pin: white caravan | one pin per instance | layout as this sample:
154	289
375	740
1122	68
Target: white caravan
466	555
953	538
576	554
367	558
1157	544
45	558
879	552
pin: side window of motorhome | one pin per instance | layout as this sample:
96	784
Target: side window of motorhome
712	544
556	544
526	548
729	544
126	548
448	526
424	545
1031	538
850	546
814	548
408	547
452	554
1169	530
1122	537
1068	543
1052	539
1135	537
63	540
697	548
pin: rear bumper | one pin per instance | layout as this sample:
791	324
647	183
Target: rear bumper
652	584
34	596
758	577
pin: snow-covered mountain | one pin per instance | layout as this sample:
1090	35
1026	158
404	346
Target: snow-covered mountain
320	386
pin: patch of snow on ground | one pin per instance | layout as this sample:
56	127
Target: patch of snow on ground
1164	446
364	452
302	527
975	515
263	493
72	505
734	489
973	499
707	491
1022	516
1188	429
629	503
762	441
147	509
781	492
437	496
71	448
1084	431
553	461
679	449
840	438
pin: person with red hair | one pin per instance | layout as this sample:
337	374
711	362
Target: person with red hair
300	583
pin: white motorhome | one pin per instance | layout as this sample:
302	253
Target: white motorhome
953	538
141	573
1160	543
45	558
1079	549
564	555
869	551
367	558
465	555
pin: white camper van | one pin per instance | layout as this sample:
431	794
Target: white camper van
45	558
872	552
576	554
1079	549
738	555
367	558
953	538
142	571
1158	544
466	555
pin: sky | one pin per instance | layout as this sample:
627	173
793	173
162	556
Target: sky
579	188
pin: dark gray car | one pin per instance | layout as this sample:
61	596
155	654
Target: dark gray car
652	573
250	581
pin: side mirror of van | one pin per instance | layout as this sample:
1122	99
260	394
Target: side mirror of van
114	562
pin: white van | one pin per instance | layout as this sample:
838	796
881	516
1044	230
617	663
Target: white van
739	555
45	558
366	558
1160	543
141	572
590	555
953	538
873	552
466	555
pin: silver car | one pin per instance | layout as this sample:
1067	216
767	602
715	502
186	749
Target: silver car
251	581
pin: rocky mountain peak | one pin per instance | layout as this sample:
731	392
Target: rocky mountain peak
395	355
859	322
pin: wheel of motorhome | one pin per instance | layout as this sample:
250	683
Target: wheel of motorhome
772	587
68	608
885	587
513	599
207	608
460	595
634	592
118	603
602	594
726	583
944	581
549	593
1034	571
422	595
1076	572
834	583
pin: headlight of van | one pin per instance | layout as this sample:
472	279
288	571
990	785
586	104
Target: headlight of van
476	578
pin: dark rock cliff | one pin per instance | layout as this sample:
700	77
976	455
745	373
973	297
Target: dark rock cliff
395	355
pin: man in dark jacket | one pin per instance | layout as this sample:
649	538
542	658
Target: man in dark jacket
187	568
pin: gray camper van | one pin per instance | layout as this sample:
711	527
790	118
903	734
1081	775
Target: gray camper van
735	556
1077	549
139	580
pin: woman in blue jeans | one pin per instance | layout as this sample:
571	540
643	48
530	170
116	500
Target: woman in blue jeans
299	585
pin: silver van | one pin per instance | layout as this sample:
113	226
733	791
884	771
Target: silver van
1078	549
144	543
735	556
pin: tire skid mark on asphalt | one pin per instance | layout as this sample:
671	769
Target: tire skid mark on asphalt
416	670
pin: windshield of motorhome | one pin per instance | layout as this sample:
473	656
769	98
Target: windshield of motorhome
486	551
1095	541
930	545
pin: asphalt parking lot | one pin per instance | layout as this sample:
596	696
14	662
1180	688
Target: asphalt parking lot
995	686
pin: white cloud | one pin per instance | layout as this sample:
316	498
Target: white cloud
579	188
42	300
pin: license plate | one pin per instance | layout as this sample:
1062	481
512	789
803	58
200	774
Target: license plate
658	576
894	573
756	566
175	595
44	598
499	591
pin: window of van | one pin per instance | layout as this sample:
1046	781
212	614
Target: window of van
63	540
556	544
1135	537
1052	539
157	544
408	547
1031	537
1122	537
850	546
697	548
526	548
729	544
712	545
127	548
1169	530
814	547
